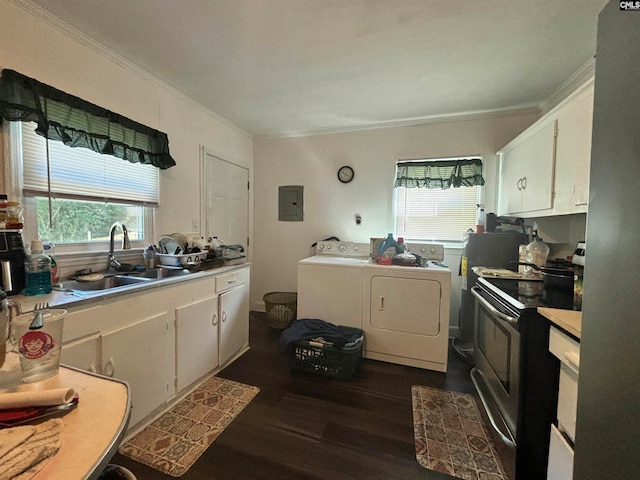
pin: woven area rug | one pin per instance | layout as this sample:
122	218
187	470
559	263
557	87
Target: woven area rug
451	437
173	442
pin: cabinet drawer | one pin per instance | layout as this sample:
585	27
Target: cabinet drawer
560	457
231	279
567	351
565	348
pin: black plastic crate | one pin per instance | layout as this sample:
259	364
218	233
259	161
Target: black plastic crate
313	357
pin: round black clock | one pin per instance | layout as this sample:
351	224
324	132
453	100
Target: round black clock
345	174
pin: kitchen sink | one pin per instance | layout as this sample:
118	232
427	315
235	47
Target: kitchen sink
105	284
160	273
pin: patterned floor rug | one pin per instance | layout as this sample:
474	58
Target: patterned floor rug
173	442
451	437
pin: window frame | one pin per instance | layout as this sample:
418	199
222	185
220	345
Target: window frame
452	243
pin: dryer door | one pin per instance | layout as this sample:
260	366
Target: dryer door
408	305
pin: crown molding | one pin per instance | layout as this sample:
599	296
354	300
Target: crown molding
414	122
39	12
585	73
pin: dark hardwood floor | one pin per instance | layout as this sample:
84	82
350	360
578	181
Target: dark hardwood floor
304	426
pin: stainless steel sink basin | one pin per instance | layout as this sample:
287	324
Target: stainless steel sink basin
104	284
160	273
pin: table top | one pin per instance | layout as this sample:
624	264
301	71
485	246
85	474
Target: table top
93	430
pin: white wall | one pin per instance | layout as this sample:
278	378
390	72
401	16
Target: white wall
330	207
37	49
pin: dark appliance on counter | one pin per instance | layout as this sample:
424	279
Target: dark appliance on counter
489	249
516	377
12	275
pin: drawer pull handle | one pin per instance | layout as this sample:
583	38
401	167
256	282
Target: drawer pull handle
232	280
573	360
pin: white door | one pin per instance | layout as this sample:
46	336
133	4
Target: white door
226	190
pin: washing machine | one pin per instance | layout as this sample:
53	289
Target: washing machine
330	283
405	314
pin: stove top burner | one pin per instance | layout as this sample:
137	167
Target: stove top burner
531	294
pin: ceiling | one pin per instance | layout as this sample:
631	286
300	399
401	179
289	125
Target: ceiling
275	67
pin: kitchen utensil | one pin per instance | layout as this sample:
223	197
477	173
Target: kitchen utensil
38	321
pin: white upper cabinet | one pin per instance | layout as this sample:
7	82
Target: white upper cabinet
545	170
573	153
526	166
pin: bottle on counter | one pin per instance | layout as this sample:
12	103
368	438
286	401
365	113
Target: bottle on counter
536	253
480	220
400	246
37	267
388	243
150	257
49	251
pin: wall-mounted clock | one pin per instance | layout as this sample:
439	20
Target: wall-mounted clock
345	174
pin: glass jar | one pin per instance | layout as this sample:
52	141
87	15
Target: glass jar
14	219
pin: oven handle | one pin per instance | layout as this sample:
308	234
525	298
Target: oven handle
508	440
506	318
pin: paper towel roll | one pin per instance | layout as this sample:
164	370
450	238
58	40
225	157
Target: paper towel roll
40	398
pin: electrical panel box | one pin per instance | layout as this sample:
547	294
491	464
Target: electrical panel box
290	203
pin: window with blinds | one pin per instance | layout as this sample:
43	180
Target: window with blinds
89	191
82	174
435	214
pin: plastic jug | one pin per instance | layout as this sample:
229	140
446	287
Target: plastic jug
536	252
388	242
37	266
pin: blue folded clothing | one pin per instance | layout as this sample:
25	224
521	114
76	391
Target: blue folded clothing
313	328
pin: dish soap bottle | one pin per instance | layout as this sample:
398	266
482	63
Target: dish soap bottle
37	266
49	251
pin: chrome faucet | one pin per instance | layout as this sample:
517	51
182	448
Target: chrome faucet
113	263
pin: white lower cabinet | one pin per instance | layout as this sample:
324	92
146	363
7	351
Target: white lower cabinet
233	309
161	340
142	355
234	328
567	350
196	340
560	457
82	353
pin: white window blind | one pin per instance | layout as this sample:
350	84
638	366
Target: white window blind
81	174
434	214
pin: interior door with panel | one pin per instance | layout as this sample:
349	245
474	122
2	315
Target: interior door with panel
226	205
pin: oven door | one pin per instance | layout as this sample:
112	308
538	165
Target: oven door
497	358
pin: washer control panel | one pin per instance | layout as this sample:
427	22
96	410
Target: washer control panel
342	249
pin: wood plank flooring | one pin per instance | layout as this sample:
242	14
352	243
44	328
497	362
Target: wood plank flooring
304	426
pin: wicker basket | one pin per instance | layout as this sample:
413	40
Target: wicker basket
281	308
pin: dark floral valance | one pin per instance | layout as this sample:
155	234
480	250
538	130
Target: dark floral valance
439	174
78	123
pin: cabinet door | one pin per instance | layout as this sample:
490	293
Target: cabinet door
234	321
143	355
510	193
196	340
82	353
573	153
560	465
527	168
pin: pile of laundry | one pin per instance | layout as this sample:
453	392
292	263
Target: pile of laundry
319	331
